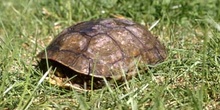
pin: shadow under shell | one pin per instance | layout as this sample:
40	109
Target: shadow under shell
67	78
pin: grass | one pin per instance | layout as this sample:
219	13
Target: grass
188	79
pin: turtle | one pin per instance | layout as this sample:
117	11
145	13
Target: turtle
87	54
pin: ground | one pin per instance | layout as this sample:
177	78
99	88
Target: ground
188	79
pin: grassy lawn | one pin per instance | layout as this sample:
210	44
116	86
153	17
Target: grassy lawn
188	79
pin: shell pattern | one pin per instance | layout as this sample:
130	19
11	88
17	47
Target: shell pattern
105	47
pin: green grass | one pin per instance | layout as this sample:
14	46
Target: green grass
188	79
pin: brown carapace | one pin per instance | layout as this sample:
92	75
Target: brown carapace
105	48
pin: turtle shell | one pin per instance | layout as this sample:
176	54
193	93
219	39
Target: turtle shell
104	48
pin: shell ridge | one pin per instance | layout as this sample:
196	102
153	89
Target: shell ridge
115	42
135	37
